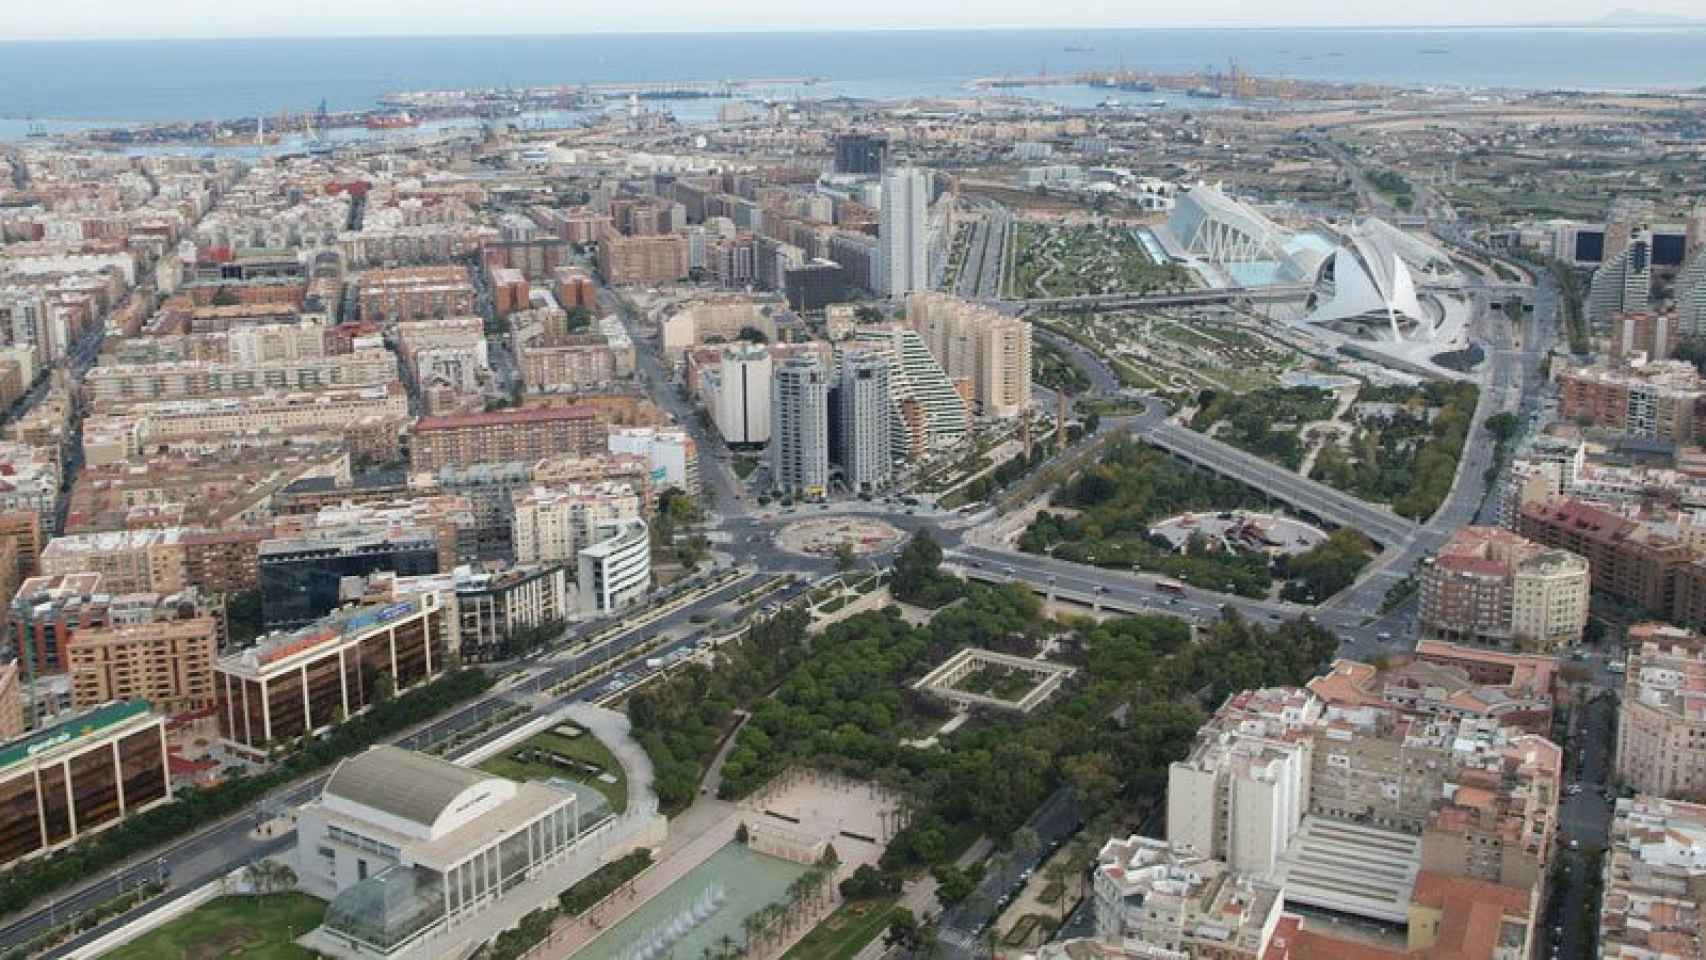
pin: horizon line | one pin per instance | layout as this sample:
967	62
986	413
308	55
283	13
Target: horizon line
1683	23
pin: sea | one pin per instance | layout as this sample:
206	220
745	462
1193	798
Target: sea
66	85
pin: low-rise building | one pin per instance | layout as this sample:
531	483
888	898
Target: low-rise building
405	845
1651	906
1152	900
415	293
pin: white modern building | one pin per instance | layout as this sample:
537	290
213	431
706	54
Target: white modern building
902	261
406	844
742	405
673	455
864	411
799	448
616	571
1370	280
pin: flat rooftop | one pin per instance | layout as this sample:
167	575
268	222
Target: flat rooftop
1351	868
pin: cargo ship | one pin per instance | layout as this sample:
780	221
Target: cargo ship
400	120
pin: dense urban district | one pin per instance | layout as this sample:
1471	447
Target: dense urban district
1266	522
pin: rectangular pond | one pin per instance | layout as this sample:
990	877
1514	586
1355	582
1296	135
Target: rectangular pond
693	914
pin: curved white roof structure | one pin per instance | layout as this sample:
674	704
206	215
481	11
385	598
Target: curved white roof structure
1211	225
1369	278
411	793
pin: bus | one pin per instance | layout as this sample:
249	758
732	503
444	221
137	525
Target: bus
1170	586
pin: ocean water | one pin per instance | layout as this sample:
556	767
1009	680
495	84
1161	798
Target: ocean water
118	81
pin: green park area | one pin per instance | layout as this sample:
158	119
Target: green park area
845	932
1396	445
1068	260
1406	455
1266	422
582	759
842	700
1107	510
255	928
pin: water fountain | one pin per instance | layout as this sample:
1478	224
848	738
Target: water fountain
657	941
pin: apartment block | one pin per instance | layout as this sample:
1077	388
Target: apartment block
555	524
168	663
566	364
1287	786
1657	399
1661	730
1490	586
1625	558
1152	900
1651	905
188	380
128	561
415	293
506	436
979	344
642	259
11	702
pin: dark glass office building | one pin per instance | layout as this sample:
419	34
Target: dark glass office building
301	575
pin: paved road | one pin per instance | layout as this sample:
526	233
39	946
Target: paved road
986	255
1308	497
1584	820
962	925
1512	383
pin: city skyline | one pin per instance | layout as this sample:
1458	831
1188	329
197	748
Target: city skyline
322	19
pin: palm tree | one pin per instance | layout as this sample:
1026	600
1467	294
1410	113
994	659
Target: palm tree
255	875
283	878
750	925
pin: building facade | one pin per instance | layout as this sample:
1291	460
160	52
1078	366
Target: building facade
864	406
1490	586
302	682
902	245
799	446
506	436
78	777
168	663
1661	729
976	343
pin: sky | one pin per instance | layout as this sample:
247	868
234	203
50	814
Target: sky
116	19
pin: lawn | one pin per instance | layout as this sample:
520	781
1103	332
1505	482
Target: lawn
255	928
517	764
846	931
